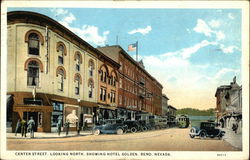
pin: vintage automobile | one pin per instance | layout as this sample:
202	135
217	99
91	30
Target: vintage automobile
115	126
135	126
206	129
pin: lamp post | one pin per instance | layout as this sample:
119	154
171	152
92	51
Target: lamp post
78	124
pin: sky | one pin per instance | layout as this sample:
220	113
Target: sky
190	52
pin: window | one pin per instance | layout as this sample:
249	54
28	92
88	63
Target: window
33	74
120	99
78	61
60	79
33	44
103	92
91	67
77	85
105	77
61	51
120	85
91	86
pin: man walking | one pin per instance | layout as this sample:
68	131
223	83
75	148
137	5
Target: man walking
18	125
59	126
31	125
66	125
23	127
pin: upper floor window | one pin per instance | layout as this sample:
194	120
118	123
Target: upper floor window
77	85
91	67
33	73
91	86
60	54
78	62
103	92
33	44
60	79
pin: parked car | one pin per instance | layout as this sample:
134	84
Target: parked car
115	126
132	126
143	125
206	129
157	122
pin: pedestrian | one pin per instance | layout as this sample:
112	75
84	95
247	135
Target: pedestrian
23	127
18	125
31	126
85	124
66	125
235	127
59	127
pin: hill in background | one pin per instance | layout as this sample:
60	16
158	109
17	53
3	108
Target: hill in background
196	112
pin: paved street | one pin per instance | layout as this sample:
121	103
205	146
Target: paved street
173	139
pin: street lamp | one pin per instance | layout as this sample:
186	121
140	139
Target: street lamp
78	124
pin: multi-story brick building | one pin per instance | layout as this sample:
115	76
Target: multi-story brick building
52	73
138	90
229	105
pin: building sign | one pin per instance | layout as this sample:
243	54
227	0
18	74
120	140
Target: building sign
131	107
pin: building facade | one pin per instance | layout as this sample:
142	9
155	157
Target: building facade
138	90
52	73
229	105
55	75
164	105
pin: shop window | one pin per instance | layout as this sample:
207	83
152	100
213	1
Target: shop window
33	74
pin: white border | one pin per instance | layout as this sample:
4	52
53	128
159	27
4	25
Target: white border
244	5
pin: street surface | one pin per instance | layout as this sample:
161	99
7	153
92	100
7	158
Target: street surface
173	139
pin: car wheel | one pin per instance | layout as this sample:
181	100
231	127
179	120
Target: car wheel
119	131
192	136
144	129
203	135
133	130
96	132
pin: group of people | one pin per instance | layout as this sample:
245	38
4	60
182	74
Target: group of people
66	126
24	126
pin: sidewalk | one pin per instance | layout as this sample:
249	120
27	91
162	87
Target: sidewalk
233	138
44	135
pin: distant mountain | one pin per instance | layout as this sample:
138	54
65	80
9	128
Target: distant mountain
196	112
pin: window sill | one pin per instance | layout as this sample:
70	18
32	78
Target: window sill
37	87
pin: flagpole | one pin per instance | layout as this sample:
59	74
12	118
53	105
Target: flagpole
137	51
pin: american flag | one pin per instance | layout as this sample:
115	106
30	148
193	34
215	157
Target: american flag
132	47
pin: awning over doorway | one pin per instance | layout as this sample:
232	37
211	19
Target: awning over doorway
29	108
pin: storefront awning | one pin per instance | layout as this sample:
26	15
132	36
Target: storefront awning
107	107
31	108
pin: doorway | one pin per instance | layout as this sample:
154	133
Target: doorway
27	115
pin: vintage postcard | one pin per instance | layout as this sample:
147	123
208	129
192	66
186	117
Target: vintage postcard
124	80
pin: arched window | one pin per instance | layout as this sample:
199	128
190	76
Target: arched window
61	52
91	86
78	62
33	44
77	85
33	74
91	67
60	79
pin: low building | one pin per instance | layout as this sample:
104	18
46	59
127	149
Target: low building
229	105
171	114
164	105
